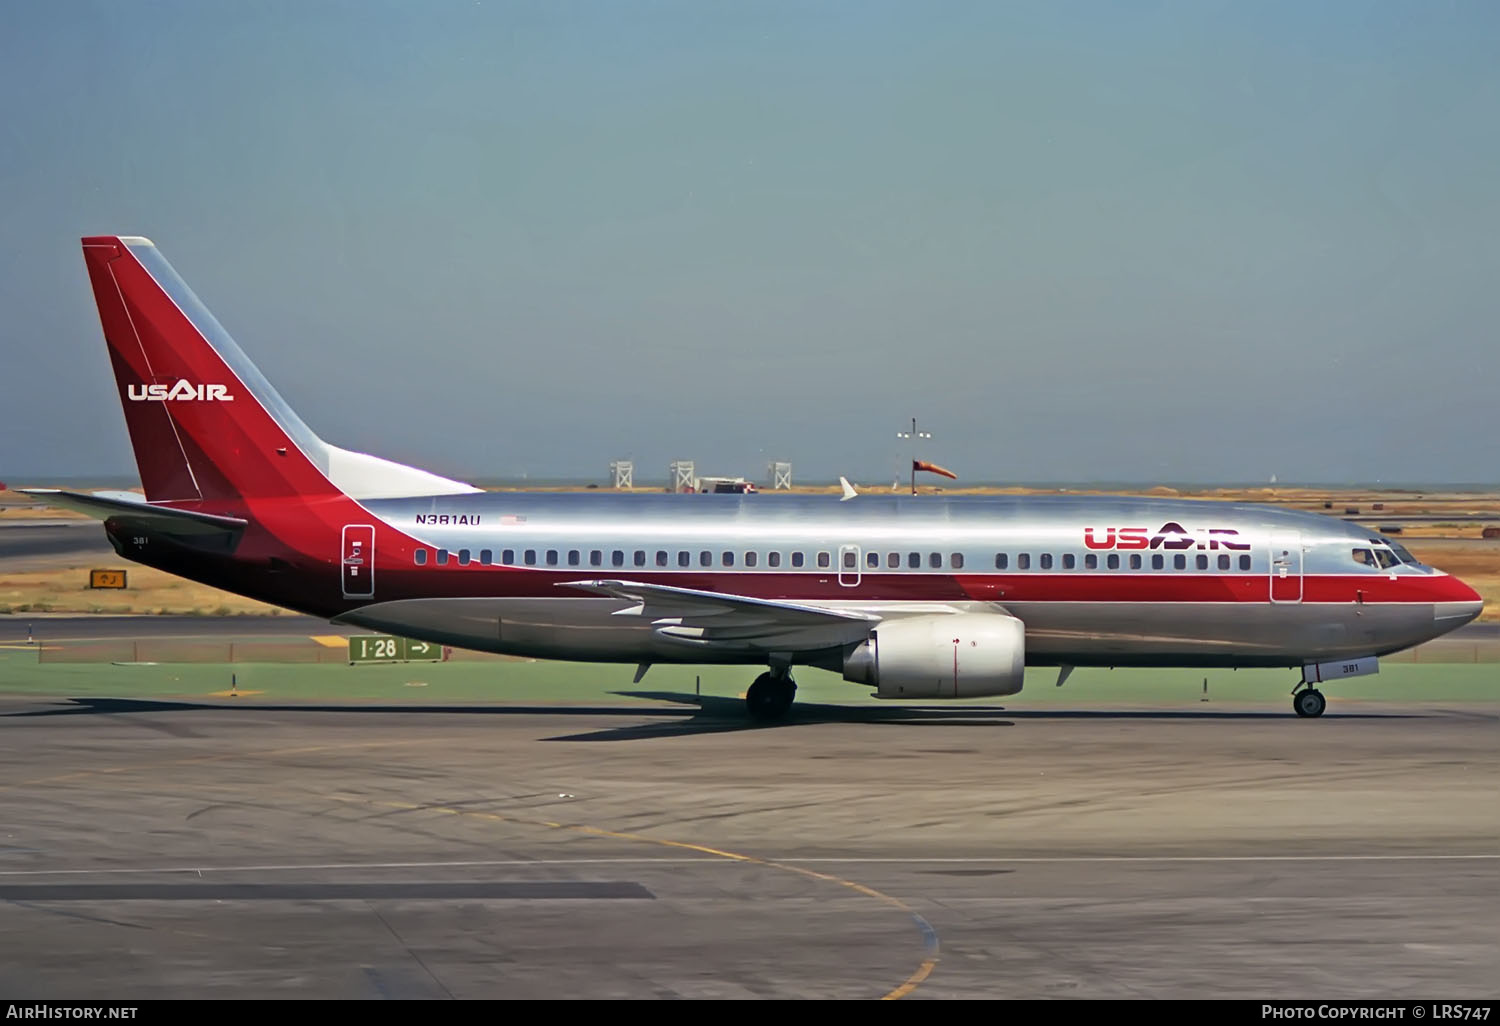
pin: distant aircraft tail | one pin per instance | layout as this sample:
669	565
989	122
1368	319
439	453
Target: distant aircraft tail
204	422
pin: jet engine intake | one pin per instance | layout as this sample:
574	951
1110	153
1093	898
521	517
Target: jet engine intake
954	655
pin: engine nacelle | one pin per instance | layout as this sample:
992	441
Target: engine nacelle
953	655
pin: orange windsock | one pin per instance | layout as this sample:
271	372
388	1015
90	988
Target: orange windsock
933	468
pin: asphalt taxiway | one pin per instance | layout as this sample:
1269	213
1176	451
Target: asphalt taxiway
228	849
40	544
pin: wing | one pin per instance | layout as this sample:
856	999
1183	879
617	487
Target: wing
710	618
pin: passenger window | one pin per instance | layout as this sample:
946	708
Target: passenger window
1001	559
956	561
872	560
1244	562
914	560
850	560
1114	561
573	555
551	557
1223	562
1202	562
661	557
1023	561
1068	561
705	558
773	559
727	559
530	557
684	558
442	557
1091	562
1179	562
893	560
797	559
617	558
596	558
1157	562
1135	562
463	557
420	557
935	560
1046	561
640	557
750	559
824	560
508	557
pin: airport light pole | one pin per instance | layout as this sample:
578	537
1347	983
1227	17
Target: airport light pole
915	436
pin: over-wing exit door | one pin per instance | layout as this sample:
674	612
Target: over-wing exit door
358	564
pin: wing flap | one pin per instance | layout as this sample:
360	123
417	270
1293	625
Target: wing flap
706	618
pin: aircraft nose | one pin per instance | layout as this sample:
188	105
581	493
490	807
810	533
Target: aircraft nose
1459	604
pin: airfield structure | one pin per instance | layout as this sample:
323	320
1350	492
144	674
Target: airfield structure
682	476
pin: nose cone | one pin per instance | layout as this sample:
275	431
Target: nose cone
1457	605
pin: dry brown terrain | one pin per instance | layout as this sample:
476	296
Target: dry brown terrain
66	590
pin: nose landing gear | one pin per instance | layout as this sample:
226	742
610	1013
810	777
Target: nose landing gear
1308	701
770	696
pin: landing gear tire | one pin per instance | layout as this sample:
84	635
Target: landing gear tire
1309	703
770	697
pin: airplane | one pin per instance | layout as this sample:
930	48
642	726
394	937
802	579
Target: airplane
917	597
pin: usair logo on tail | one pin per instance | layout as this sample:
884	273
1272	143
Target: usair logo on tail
183	391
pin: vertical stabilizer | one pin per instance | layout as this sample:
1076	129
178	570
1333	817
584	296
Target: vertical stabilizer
204	422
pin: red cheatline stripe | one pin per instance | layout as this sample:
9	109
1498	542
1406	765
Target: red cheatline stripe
922	587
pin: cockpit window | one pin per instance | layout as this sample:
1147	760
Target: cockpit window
1364	557
1386	557
1400	551
1403	555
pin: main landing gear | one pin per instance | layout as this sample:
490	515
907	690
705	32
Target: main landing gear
771	695
1308	701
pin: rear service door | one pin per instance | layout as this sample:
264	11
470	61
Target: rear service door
358	564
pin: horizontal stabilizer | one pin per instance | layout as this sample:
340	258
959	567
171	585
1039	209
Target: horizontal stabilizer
110	505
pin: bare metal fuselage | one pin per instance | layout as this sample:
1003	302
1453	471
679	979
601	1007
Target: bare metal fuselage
1094	579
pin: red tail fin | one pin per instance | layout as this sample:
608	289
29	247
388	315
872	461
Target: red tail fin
204	423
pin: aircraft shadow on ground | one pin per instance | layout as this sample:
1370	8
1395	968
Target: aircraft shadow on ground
718	714
688	714
93	706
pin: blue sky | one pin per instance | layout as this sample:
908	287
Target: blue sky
1154	241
